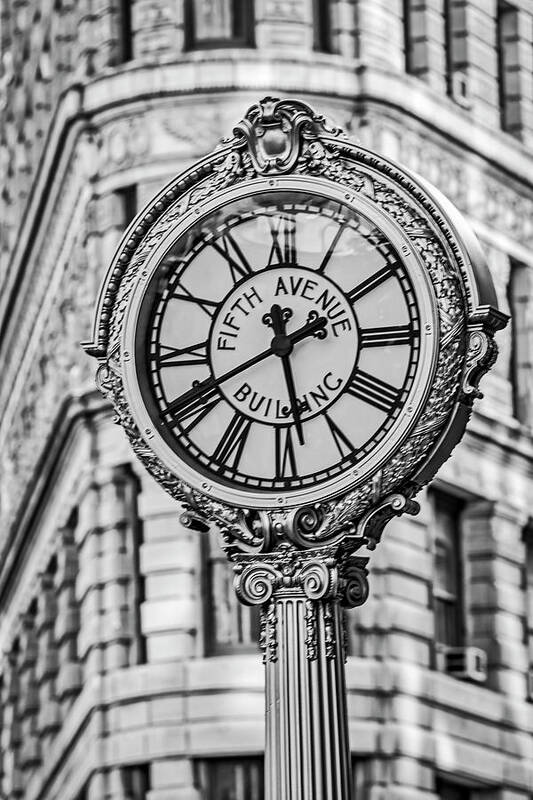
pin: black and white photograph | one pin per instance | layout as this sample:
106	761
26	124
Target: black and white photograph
266	399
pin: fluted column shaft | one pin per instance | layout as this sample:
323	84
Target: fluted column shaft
307	754
307	747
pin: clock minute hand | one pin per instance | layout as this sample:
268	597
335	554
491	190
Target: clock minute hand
309	329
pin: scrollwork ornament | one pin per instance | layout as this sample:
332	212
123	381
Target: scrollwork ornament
105	380
318	579
354	586
274	131
481	352
255	583
372	524
306	522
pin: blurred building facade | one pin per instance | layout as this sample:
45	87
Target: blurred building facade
128	670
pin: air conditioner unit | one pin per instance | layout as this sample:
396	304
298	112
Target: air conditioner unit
467	663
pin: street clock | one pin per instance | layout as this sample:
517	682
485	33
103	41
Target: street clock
282	345
292	335
294	323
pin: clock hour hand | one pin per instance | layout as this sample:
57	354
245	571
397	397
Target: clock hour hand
277	319
293	400
314	327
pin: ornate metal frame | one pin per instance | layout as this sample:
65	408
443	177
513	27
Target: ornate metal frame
287	137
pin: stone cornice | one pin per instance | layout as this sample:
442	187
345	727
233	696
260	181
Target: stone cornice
340	83
335	79
415	98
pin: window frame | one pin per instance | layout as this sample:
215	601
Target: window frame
125	33
408	44
450	790
212	645
322	27
505	11
455	74
128	197
242	16
442	500
207	781
130	773
518	304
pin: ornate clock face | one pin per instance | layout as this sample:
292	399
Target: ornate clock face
283	346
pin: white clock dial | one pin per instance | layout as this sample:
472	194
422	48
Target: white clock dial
279	342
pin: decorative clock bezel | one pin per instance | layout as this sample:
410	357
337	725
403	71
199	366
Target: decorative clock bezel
413	405
277	144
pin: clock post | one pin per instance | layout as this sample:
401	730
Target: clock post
292	334
307	746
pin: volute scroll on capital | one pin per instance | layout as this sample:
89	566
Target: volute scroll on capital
318	575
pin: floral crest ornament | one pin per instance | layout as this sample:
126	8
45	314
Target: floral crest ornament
297	560
274	131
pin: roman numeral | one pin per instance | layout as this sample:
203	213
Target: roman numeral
332	247
194	355
372	390
344	445
229	449
285	458
231	251
181	293
193	412
381	337
370	283
283	250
